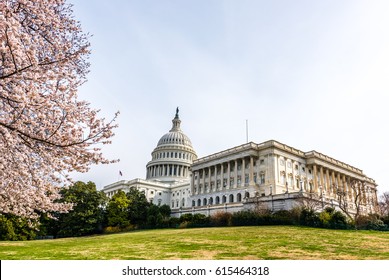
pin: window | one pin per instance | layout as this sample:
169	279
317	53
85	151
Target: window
262	161
262	178
289	164
282	162
296	167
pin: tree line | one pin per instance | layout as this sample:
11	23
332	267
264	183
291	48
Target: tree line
94	213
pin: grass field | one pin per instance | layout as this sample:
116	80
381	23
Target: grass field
266	242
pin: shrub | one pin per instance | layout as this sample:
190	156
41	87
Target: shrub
338	220
221	219
117	229
15	228
200	220
174	222
7	231
310	218
284	217
184	225
244	218
372	222
385	219
325	219
186	218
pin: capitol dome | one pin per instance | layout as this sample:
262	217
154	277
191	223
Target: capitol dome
172	157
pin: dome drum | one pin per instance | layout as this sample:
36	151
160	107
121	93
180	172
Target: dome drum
173	156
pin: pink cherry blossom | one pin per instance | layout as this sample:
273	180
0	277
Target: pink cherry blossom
45	131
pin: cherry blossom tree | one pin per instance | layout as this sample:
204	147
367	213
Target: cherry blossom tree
46	132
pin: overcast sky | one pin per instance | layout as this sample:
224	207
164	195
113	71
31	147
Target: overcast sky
310	74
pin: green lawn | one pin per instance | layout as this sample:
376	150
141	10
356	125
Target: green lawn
266	242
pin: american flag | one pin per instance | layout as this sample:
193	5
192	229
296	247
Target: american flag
120	173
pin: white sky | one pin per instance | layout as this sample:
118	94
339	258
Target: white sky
311	74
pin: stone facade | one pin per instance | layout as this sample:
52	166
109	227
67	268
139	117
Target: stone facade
270	174
277	176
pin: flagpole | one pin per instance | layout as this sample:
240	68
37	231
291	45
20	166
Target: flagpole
247	131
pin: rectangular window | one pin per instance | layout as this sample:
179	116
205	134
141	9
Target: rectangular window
262	178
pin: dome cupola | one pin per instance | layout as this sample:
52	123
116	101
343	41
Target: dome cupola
173	156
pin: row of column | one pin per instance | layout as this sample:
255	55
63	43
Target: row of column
327	181
225	182
162	170
335	183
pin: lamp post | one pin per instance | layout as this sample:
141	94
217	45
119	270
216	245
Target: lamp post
225	202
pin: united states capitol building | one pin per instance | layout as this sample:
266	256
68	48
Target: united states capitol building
270	174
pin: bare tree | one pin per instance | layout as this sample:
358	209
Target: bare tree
354	199
311	201
260	205
384	204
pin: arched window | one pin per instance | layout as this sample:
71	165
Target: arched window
183	202
193	203
199	202
211	201
204	202
231	198
224	199
238	197
217	200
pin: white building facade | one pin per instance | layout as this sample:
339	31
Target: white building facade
270	174
167	174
